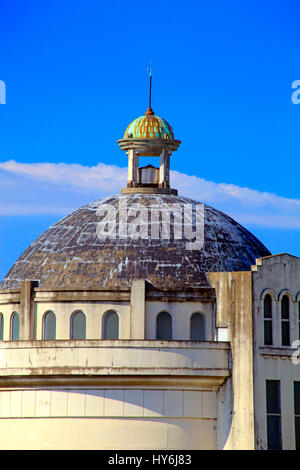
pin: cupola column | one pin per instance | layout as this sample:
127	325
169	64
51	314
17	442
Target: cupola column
164	169
133	164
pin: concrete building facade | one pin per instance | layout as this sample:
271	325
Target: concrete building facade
149	321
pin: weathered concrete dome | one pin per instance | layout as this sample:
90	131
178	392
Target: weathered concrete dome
149	126
89	248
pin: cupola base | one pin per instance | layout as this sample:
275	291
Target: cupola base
148	190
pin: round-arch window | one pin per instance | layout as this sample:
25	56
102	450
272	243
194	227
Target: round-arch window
268	306
285	321
111	325
78	325
197	327
14	327
164	326
1	326
268	329
285	307
49	326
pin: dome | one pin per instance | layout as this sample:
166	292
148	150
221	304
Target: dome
149	126
73	252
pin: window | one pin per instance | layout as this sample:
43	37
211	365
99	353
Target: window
268	333
1	326
164	326
49	326
297	414
285	321
197	327
78	325
273	414
14	326
299	319
111	325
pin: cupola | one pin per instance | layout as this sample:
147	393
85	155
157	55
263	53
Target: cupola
149	136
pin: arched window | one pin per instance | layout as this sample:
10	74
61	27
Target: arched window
299	320
49	326
285	321
164	326
14	326
197	327
1	326
110	325
268	330
78	325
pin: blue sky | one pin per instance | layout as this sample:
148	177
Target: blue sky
75	75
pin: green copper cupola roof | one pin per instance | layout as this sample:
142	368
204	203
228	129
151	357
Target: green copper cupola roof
149	126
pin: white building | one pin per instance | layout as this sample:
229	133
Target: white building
147	320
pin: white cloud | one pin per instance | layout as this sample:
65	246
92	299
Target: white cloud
49	188
107	176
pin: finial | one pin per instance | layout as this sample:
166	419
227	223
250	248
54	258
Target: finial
149	69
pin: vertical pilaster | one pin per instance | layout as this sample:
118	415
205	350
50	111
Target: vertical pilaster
234	311
137	309
27	310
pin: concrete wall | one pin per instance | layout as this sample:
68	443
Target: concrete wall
234	314
94	312
137	315
224	383
107	419
118	357
7	311
134	392
118	394
181	313
275	275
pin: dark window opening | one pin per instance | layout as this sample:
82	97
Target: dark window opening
15	327
111	325
297	414
164	326
78	325
273	414
299	319
1	326
197	327
268	330
49	326
285	321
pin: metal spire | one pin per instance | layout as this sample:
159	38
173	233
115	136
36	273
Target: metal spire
149	70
